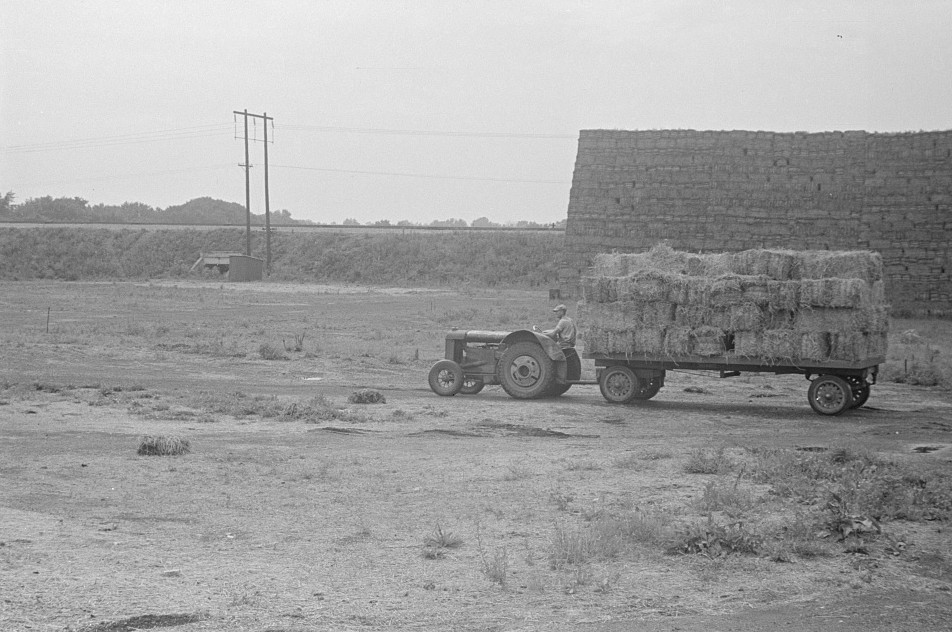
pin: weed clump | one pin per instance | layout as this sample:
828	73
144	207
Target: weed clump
270	352
163	446
718	540
437	543
707	461
367	396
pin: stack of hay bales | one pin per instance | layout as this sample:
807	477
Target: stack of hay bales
776	306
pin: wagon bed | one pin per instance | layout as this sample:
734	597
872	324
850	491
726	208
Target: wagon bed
838	386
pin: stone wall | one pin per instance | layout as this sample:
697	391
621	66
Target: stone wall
710	191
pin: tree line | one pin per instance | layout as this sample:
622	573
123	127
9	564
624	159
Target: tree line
199	211
203	210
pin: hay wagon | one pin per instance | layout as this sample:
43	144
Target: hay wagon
834	386
821	314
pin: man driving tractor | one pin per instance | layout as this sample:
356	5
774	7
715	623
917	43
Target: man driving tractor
564	331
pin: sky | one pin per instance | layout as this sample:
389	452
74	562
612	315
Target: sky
427	110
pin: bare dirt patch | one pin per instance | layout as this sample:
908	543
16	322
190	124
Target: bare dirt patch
297	510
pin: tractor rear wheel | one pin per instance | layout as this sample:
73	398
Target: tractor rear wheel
446	378
526	371
573	372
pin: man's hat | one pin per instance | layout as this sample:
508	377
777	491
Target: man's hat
559	308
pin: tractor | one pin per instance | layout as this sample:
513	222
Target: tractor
527	364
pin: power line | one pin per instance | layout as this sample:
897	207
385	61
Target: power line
130	176
424	175
420	132
201	131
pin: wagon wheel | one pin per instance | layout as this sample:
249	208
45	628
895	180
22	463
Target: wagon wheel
860	396
830	395
648	389
860	391
525	371
573	372
472	385
446	378
619	384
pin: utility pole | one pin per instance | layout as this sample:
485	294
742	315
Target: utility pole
267	204
267	201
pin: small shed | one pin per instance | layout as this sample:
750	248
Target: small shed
237	266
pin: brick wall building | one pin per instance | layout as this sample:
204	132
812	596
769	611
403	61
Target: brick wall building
716	191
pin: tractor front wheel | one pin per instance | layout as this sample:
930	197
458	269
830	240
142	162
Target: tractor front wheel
526	371
446	378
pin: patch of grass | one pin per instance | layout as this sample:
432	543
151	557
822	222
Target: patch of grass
861	483
729	498
161	445
439	541
708	461
317	409
517	472
583	466
367	396
714	540
607	537
797	538
561	499
267	351
495	563
629	462
239	405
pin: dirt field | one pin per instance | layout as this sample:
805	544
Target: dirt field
297	510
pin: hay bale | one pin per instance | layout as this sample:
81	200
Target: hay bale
783	295
621	342
648	340
780	344
712	265
708	341
677	341
815	345
829	319
161	445
849	346
596	340
756	289
696	290
745	317
678	289
877	344
853	264
725	290
779	265
644	285
782	319
691	316
748	343
834	292
878	319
